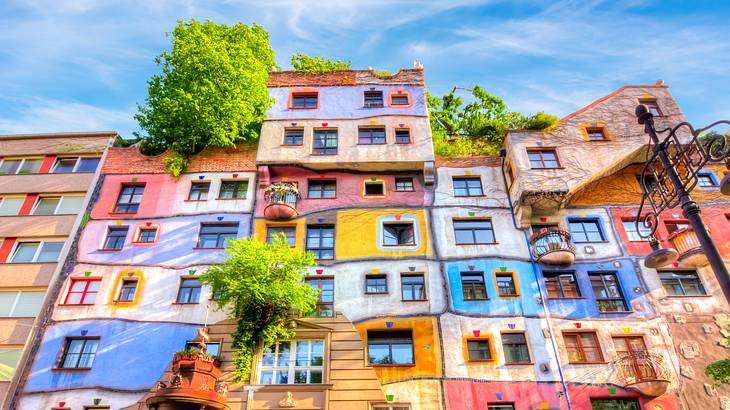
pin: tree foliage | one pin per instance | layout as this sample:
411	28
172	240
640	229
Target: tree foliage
478	127
719	372
212	91
317	65
260	285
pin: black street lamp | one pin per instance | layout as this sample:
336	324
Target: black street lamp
674	164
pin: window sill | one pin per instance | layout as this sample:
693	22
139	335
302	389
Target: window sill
323	155
376	293
202	249
292	145
70	369
588	243
480	361
145	243
519	363
480	243
405	190
689	296
195	200
392	365
373	196
509	296
291	387
122	302
543	169
76	304
404	143
230	199
123	213
589	363
567	298
185	303
328	197
405	245
414	300
475	299
303	108
470	196
616	312
109	249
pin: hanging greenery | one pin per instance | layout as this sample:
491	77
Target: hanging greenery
261	285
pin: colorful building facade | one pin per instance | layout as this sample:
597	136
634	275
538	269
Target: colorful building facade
511	282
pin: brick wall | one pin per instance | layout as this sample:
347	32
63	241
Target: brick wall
411	76
130	160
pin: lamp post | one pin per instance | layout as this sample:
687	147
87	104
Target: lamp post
675	162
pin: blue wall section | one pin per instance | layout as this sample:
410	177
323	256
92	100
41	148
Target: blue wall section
131	355
524	305
586	306
345	102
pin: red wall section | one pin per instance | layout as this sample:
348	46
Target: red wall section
5	248
349	190
27	204
715	217
47	164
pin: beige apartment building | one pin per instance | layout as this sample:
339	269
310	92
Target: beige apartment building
45	184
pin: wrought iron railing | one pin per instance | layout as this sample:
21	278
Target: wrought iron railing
550	240
641	366
286	198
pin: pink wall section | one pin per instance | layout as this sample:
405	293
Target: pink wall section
160	190
471	395
349	190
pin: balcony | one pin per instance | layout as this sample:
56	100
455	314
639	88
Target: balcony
193	384
644	372
553	246
688	246
281	201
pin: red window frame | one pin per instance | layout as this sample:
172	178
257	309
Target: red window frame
84	293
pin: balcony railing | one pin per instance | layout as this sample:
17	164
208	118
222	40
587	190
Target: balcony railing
688	246
553	246
281	201
644	372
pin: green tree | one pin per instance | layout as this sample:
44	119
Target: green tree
261	285
212	91
317	65
719	372
478	127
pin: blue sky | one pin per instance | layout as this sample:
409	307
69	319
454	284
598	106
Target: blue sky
82	65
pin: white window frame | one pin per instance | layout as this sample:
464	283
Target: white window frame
404	219
3	198
390	406
76	165
22	162
291	368
17	299
40	243
58	206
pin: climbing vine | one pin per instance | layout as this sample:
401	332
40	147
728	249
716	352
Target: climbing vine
261	285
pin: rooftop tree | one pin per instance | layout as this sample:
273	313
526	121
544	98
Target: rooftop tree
479	127
261	285
317	65
212	91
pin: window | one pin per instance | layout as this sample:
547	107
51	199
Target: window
472	285
289	231
398	234
607	289
293	362
615	404
543	158
561	285
582	347
199	191
293	136
20	303
376	284
212	348
467	186
675	226
321	241
37	252
189	291
371	135
373	99
479	350
682	283
652	105
322	189
9	358
129	198
375	188
632	234
325	142
127	290
10	206
147	234
66	165
304	100
585	230
506	284
20	166
706	180
115	237
46	205
82	291
412	287
326	297
515	348
390	347
233	189
78	353
402	136
214	235
473	231
596	134
632	350
399	99
404	184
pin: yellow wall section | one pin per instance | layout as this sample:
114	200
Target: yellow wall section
425	347
131	274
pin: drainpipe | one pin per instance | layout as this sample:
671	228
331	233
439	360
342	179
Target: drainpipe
535	270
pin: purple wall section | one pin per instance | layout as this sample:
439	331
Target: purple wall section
345	102
175	246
